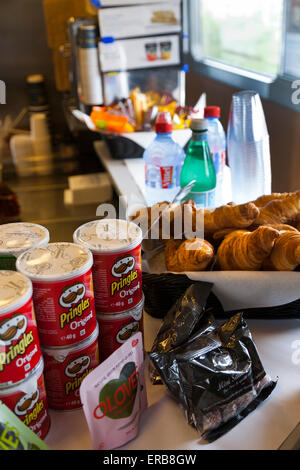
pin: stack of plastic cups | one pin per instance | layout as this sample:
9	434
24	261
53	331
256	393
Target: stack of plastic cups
248	146
22	386
63	297
117	274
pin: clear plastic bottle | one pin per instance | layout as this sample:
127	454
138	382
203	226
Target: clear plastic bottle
199	166
216	138
163	162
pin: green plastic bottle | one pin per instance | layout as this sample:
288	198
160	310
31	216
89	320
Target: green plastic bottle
198	165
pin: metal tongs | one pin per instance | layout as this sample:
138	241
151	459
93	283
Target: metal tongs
178	198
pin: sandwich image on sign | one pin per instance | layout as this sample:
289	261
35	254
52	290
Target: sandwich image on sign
11	329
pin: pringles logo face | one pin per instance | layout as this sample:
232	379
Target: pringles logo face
26	403
123	266
14	340
29	407
123	269
72	297
127	331
12	329
77	369
117	397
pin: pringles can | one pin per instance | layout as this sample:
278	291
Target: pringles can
115	330
20	350
18	237
28	401
117	272
63	295
65	369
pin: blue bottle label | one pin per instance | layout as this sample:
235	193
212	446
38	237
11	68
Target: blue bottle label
206	199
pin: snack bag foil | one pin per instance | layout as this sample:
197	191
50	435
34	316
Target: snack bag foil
114	396
212	370
15	435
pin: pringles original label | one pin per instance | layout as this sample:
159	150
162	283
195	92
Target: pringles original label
29	403
115	330
20	350
65	369
114	396
63	292
116	248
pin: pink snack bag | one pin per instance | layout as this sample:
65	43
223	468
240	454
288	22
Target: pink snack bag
114	396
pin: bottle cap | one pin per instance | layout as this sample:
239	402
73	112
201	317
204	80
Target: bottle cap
212	111
163	123
199	125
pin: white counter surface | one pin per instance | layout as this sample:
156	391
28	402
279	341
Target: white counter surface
163	426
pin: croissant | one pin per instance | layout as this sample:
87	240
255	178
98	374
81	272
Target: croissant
280	211
244	250
285	255
171	223
230	216
263	200
191	255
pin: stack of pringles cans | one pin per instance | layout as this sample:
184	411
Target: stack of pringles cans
22	385
117	273
64	309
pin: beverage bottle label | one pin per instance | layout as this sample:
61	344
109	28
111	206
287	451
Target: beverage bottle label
166	176
205	199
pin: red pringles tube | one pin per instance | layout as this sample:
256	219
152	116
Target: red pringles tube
28	401
63	294
115	330
65	369
20	350
117	272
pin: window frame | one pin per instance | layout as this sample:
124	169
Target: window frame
277	89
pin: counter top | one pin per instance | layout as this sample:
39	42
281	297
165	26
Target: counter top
163	426
42	202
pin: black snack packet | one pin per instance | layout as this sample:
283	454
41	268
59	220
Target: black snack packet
213	371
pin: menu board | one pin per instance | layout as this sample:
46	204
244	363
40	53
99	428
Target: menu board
133	21
140	53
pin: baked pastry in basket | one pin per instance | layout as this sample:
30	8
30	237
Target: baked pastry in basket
246	251
189	255
285	255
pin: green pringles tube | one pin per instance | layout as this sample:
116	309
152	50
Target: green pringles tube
15	435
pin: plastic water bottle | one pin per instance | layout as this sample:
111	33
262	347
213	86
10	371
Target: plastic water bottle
248	148
216	139
199	166
163	162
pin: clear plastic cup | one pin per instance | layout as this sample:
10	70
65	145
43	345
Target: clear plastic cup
248	148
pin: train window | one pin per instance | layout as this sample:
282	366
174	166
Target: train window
242	34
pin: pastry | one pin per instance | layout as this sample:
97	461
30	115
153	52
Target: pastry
190	255
263	200
285	255
174	219
230	216
244	250
280	211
